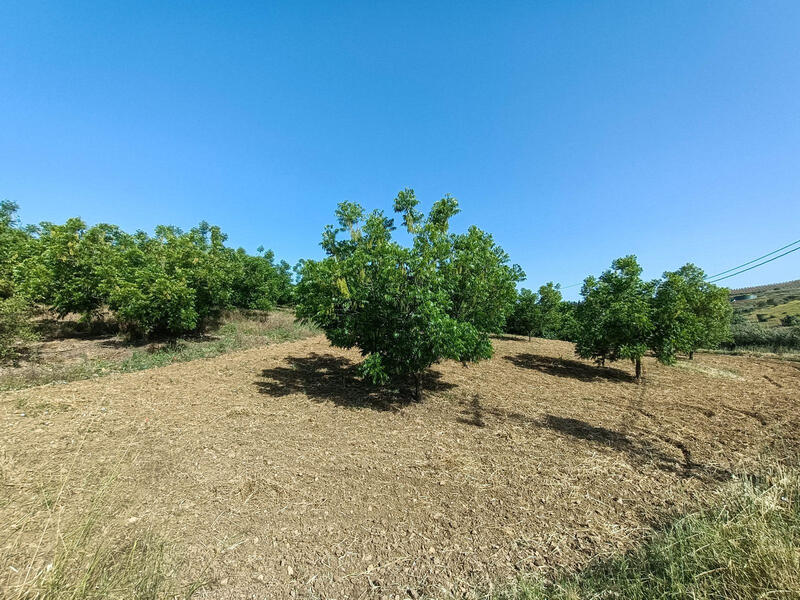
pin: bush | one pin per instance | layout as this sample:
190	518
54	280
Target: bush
790	320
15	326
749	335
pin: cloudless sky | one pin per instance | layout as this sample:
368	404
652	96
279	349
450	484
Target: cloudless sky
575	132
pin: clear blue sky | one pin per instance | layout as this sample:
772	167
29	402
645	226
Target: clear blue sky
575	132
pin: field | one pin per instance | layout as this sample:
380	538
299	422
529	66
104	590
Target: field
272	472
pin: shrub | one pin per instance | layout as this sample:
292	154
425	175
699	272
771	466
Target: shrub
15	326
790	320
751	335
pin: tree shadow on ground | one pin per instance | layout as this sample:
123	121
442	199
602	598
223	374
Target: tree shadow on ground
329	378
50	328
508	337
637	449
570	369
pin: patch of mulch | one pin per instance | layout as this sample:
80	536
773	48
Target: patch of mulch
278	474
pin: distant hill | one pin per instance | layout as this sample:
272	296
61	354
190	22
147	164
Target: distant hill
772	286
772	303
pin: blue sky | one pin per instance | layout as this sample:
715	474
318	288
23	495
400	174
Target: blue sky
575	132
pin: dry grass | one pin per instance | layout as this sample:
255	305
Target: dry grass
273	472
744	545
70	352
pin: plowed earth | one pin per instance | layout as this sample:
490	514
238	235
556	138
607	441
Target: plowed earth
278	474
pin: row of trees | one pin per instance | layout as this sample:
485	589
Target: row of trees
623	317
406	307
169	282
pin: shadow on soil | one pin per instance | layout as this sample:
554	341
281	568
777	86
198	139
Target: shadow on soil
329	378
637	449
571	369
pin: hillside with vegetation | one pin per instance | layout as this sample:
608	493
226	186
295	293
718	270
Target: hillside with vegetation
774	305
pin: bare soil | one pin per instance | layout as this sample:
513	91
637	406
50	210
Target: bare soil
278	474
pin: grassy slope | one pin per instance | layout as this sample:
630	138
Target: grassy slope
236	331
773	303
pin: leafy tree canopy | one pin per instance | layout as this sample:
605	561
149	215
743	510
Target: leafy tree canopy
615	317
406	307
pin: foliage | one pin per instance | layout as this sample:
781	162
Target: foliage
752	336
688	313
14	247
68	266
15	326
550	314
524	319
404	307
172	282
540	315
481	283
615	317
568	321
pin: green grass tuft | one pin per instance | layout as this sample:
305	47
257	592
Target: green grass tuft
746	546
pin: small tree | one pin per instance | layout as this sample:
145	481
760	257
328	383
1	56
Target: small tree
550	314
524	319
481	283
69	265
392	302
615	317
688	313
537	314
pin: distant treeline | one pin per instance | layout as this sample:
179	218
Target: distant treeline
169	282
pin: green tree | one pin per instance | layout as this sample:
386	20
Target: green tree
550	313
15	247
69	265
173	281
688	313
615	317
524	319
480	280
393	302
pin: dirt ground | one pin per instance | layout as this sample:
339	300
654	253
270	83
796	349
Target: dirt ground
279	475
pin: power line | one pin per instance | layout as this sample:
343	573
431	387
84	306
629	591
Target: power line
750	262
715	278
754	266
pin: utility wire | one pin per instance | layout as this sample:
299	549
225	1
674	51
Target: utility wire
754	266
716	277
750	262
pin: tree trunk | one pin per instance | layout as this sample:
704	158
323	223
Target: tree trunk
603	360
691	354
417	387
638	370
